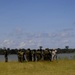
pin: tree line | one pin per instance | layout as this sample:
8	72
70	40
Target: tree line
14	51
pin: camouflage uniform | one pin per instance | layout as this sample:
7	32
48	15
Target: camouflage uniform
21	56
42	55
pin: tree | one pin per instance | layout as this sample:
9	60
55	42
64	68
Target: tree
66	47
40	47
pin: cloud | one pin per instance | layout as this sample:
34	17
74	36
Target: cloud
21	39
6	43
22	45
67	33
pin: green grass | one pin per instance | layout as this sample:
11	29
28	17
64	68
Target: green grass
60	67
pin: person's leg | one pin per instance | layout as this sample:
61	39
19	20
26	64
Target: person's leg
25	57
6	59
32	57
52	57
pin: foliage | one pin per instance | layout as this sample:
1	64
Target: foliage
14	51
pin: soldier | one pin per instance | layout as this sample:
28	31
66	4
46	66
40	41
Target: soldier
35	55
29	55
6	55
54	55
47	54
22	56
25	55
50	56
42	55
19	56
32	55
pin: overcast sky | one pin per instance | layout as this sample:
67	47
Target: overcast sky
34	23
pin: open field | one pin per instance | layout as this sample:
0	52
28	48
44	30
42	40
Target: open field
60	67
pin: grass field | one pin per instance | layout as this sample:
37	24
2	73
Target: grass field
60	67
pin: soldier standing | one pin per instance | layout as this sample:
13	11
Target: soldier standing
21	56
6	55
54	55
33	59
25	55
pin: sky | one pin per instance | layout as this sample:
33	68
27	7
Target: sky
34	23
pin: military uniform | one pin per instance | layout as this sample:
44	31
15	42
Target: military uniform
6	55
